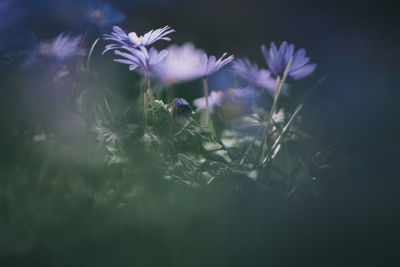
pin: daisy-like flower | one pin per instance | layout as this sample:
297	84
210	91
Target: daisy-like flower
60	49
132	40
255	77
278	60
104	15
141	59
183	63
210	65
214	99
181	111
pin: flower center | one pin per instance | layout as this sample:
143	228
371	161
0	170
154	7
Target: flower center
138	40
45	49
98	15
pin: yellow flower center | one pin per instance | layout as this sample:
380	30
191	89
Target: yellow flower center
138	40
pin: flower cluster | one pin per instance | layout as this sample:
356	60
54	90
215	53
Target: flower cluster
235	132
179	63
175	64
184	63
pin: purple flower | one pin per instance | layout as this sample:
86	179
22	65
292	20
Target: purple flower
141	58
60	49
278	60
132	40
259	78
209	65
104	15
214	99
181	111
183	63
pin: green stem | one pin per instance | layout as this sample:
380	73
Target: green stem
278	79
273	108
108	108
148	87
170	94
205	88
90	54
145	107
278	140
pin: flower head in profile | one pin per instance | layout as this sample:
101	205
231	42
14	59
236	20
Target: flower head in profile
181	111
104	15
255	77
214	99
210	65
278	60
60	49
141	59
183	63
132	40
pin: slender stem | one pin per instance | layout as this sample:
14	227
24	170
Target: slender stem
265	135
170	93
205	88
278	140
145	107
278	79
152	104
273	108
151	97
108	108
90	55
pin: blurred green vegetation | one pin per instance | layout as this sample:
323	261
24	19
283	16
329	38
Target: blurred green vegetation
84	183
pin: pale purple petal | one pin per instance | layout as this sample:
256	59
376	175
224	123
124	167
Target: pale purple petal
278	60
303	72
